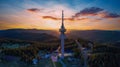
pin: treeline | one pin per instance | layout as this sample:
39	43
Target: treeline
26	54
6	40
105	56
30	52
102	55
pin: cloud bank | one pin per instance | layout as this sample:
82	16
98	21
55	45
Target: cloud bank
91	11
96	11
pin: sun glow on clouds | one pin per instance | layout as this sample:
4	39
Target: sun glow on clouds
89	18
48	16
52	17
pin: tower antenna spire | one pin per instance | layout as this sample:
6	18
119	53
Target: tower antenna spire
62	19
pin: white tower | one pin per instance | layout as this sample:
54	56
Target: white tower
62	36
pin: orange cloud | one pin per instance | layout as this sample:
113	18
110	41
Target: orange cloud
54	18
67	19
50	17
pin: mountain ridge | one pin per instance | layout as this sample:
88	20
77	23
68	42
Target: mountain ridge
35	34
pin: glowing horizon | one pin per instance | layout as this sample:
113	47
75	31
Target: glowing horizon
46	15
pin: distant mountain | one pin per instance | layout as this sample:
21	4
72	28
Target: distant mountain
43	35
27	34
96	35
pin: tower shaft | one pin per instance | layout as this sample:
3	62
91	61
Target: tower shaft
62	36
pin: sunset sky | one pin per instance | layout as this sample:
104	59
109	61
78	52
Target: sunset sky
46	14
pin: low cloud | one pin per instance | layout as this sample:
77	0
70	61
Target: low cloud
50	17
66	19
55	18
